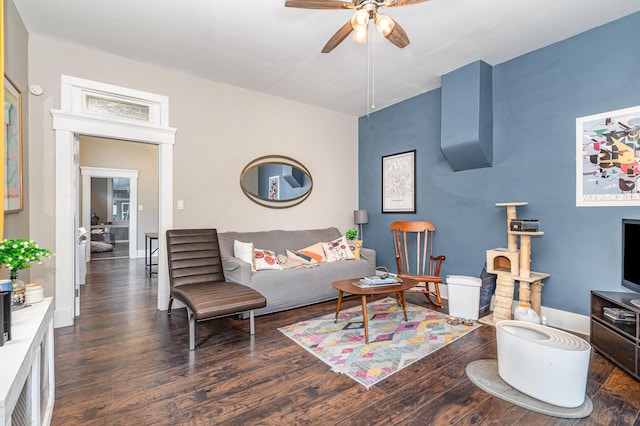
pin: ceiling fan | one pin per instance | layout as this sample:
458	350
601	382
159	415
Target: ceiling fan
365	11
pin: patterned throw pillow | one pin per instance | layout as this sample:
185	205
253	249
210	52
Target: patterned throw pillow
315	252
337	250
355	246
265	259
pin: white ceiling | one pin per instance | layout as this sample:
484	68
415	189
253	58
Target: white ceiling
262	46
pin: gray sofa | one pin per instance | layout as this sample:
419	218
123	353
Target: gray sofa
291	288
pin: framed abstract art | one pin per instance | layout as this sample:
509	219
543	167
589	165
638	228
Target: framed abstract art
607	158
12	147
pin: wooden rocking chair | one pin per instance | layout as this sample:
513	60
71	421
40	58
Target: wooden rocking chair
427	266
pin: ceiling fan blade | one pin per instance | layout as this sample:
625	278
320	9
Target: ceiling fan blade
398	37
398	3
338	37
319	4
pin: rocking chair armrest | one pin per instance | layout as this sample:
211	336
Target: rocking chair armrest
437	260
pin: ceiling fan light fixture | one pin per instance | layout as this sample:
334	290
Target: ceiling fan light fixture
364	11
360	19
360	35
384	24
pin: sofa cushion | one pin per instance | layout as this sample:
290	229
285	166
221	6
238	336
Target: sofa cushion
337	250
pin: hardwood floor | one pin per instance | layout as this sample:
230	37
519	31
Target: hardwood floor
120	250
126	363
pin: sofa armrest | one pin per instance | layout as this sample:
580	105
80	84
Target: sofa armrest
236	270
369	255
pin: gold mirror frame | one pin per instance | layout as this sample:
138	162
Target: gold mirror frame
275	160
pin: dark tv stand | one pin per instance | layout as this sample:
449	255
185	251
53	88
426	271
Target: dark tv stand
620	343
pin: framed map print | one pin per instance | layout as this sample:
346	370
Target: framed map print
399	183
12	147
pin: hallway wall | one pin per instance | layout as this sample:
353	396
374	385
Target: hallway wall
113	154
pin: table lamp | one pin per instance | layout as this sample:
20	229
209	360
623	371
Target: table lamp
360	217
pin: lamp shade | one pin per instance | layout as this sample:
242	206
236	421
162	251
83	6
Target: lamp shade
360	217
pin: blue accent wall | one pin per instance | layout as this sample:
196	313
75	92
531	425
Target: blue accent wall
536	100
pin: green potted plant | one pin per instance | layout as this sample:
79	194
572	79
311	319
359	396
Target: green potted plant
352	234
17	254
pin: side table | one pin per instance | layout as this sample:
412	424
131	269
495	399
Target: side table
149	238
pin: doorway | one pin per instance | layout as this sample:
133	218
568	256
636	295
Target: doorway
107	197
127	115
110	224
110	201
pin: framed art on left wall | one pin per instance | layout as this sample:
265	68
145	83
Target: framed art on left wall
12	147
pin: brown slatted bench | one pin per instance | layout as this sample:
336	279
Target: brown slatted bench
196	279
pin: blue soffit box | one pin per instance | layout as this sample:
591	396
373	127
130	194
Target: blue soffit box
293	176
467	117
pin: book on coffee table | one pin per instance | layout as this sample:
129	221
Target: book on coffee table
373	280
362	283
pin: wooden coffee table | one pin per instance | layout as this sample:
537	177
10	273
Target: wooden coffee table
347	286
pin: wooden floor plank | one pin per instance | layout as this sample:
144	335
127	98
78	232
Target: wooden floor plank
124	362
492	411
448	407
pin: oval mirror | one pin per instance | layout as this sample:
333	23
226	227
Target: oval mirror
276	181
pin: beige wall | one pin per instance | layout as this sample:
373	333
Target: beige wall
220	128
16	225
113	154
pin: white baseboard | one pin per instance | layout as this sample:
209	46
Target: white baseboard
62	317
564	320
568	320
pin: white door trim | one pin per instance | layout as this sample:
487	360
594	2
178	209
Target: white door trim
72	120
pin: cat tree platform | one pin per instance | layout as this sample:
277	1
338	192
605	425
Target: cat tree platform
513	264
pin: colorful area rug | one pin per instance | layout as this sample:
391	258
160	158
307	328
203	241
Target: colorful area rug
393	342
